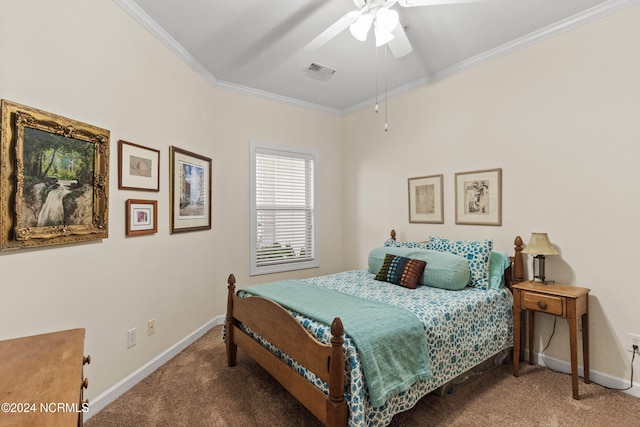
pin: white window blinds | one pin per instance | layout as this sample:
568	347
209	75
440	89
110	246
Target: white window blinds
283	219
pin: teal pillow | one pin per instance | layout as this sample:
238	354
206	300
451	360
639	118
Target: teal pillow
476	252
498	263
443	270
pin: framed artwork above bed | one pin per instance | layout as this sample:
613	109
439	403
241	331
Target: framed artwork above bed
426	199
479	197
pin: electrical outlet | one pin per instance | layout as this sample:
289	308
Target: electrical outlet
633	339
151	327
131	337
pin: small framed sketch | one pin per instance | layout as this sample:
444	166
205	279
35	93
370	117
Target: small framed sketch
189	191
138	167
142	217
426	199
479	197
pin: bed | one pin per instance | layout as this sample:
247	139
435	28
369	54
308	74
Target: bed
305	346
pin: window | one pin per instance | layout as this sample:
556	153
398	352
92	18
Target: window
283	215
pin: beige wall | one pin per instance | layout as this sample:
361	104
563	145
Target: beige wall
561	118
92	62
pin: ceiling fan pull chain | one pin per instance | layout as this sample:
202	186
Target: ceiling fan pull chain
386	124
376	107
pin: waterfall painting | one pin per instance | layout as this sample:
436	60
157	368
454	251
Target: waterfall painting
54	180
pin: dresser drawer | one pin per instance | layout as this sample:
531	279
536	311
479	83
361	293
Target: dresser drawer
543	303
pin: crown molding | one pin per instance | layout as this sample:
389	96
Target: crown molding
589	15
154	28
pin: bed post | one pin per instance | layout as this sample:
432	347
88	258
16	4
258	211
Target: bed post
232	348
337	411
518	266
393	234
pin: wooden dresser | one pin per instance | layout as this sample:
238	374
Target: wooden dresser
41	380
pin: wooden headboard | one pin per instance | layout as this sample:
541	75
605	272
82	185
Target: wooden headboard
515	272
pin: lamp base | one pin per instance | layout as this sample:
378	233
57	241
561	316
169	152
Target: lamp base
540	275
544	282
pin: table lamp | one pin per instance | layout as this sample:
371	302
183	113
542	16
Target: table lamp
540	246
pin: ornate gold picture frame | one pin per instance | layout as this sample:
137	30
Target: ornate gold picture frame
54	181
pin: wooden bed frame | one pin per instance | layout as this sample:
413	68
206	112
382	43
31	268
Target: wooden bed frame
285	332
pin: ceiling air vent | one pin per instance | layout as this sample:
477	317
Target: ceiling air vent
319	72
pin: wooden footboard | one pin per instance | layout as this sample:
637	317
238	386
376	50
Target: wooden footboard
269	320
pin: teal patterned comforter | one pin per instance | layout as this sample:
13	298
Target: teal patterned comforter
462	329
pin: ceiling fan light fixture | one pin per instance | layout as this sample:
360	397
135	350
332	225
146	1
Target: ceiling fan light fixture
360	28
382	37
386	19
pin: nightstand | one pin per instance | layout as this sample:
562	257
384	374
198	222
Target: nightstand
568	302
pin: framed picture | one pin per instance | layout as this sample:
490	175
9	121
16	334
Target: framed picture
190	191
54	182
479	197
426	199
142	217
138	167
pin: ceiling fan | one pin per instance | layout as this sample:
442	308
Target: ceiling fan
385	22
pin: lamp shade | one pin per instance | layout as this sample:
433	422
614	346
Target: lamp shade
360	28
382	37
539	244
386	20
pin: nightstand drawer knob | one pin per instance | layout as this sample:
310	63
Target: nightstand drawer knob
542	305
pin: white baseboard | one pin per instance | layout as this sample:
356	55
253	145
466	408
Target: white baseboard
597	377
111	394
101	401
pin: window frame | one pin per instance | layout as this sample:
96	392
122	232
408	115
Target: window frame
256	148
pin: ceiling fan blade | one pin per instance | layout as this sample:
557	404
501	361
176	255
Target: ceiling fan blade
399	45
412	3
339	26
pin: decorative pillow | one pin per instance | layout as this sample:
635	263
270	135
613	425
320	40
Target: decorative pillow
477	253
395	244
443	270
401	271
498	263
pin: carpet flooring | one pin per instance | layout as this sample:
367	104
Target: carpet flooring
196	388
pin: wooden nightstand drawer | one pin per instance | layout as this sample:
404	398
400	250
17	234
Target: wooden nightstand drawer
543	303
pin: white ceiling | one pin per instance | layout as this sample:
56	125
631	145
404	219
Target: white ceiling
258	45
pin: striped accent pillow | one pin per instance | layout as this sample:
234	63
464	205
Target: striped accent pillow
401	271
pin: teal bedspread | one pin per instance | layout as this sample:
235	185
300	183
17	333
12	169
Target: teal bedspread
390	340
